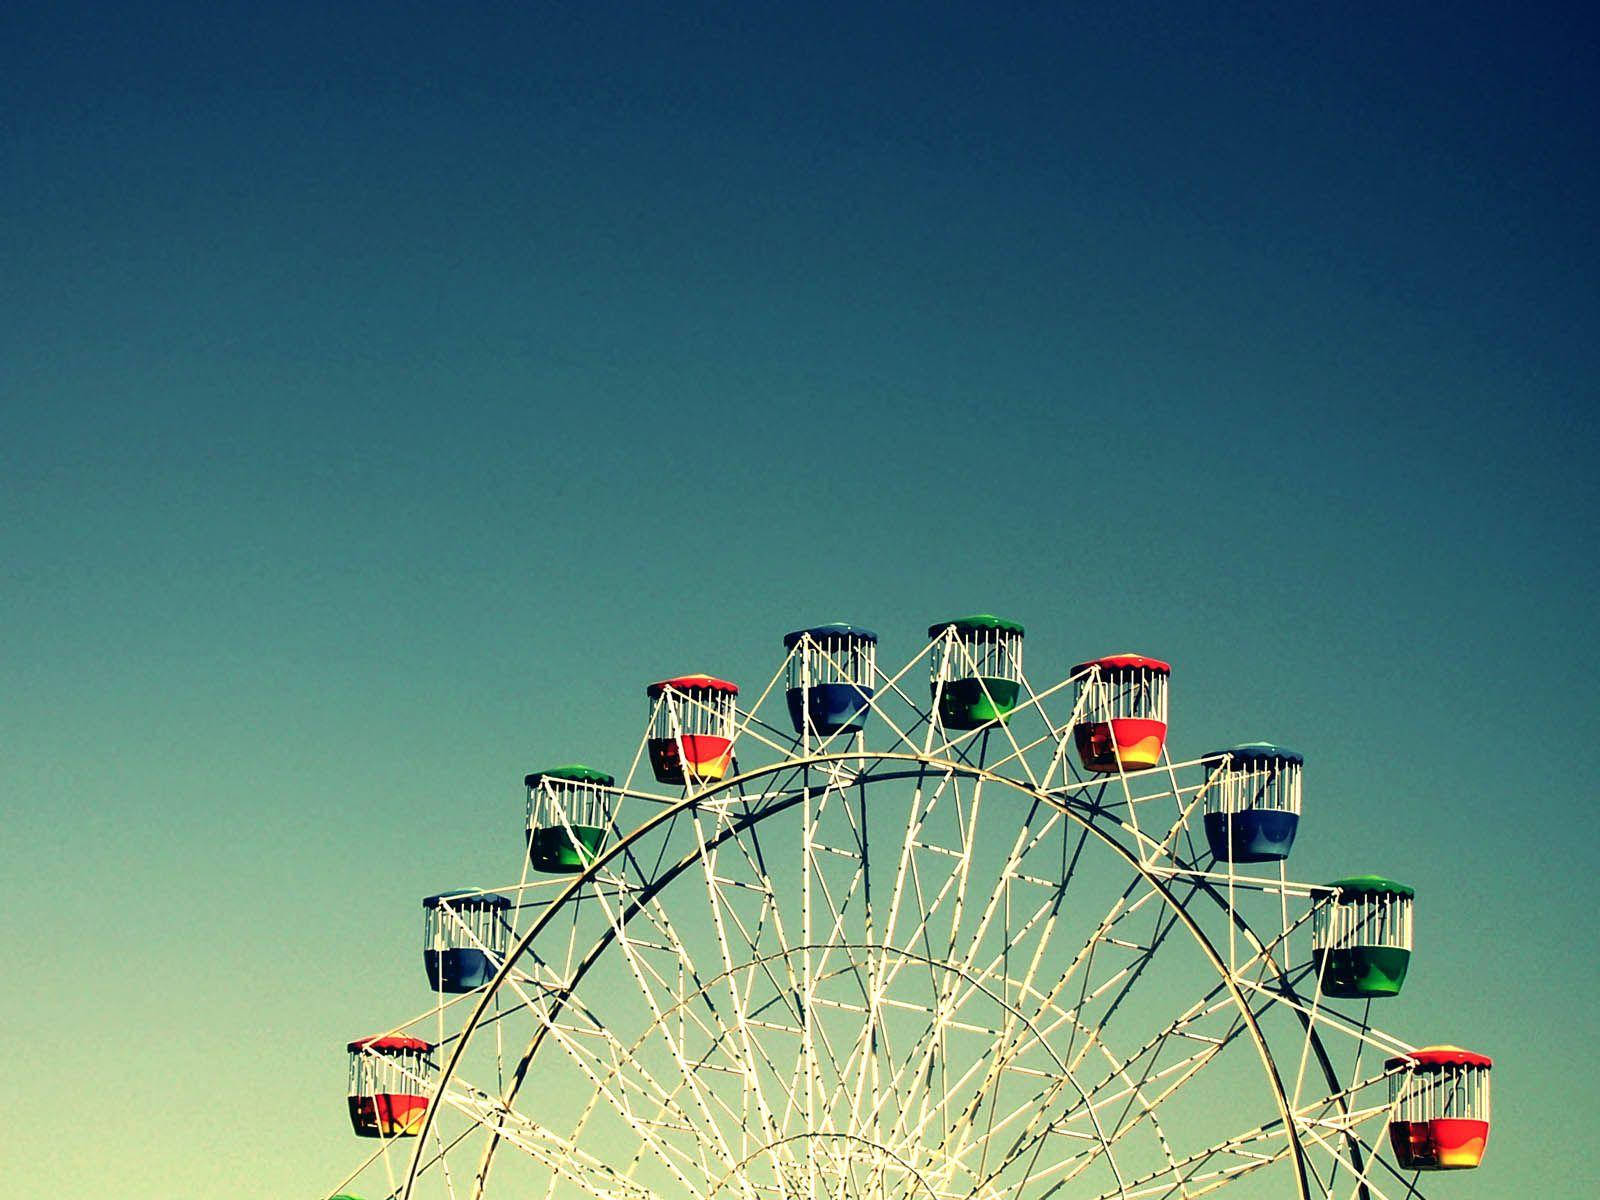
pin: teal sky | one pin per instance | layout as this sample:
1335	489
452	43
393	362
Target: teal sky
390	394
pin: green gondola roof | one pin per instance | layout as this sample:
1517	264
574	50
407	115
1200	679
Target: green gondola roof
974	623
575	773
1360	885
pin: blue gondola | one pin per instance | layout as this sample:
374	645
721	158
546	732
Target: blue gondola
464	938
830	677
1252	802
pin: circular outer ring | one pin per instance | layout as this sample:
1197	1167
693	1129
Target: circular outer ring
915	764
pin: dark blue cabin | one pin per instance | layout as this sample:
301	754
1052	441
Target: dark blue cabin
830	678
1252	802
464	938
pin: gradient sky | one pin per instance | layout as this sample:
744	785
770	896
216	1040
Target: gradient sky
389	394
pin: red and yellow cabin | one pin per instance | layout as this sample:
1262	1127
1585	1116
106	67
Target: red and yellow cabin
388	1085
692	722
1439	1108
1122	707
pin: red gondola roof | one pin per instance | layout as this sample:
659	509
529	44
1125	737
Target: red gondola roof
1441	1056
389	1042
1113	661
684	682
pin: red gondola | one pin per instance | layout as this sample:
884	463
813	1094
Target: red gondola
691	728
1440	1108
1122	722
388	1085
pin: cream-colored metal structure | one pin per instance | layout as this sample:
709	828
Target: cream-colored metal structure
902	962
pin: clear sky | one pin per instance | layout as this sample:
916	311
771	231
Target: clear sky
388	394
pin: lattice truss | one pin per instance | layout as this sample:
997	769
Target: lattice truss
904	962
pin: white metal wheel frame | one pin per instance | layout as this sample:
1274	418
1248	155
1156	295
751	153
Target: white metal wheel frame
942	968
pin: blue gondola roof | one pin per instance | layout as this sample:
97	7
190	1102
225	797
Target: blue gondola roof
837	629
467	896
1257	752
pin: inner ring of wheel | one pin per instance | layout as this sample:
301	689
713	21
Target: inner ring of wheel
915	765
875	1147
973	982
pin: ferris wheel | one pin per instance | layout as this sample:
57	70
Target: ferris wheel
929	932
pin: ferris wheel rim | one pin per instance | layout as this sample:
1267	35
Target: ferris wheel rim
924	762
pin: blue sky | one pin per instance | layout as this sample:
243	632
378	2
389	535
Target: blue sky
391	393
